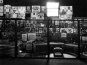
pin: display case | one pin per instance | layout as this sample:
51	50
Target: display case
83	35
7	41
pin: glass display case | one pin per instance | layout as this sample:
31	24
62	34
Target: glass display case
30	35
7	41
83	44
63	35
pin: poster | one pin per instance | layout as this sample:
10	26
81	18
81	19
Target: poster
57	30
50	29
40	30
0	23
42	25
33	15
31	36
21	12
14	12
66	12
7	9
56	22
69	30
75	30
63	30
35	8
43	9
28	9
1	1
24	37
1	10
40	16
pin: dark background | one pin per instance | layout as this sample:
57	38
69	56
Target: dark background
79	6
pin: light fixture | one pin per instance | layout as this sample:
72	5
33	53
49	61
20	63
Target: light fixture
52	8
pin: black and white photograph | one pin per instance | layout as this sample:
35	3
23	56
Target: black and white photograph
43	32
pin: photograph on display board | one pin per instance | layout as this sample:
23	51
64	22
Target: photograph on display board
24	37
40	16
69	24
31	36
42	25
57	30
63	35
36	8
43	9
62	24
56	22
51	30
7	9
36	30
75	30
69	30
40	30
14	12
33	15
1	1
63	30
1	10
1	23
21	12
75	24
28	9
83	38
65	12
